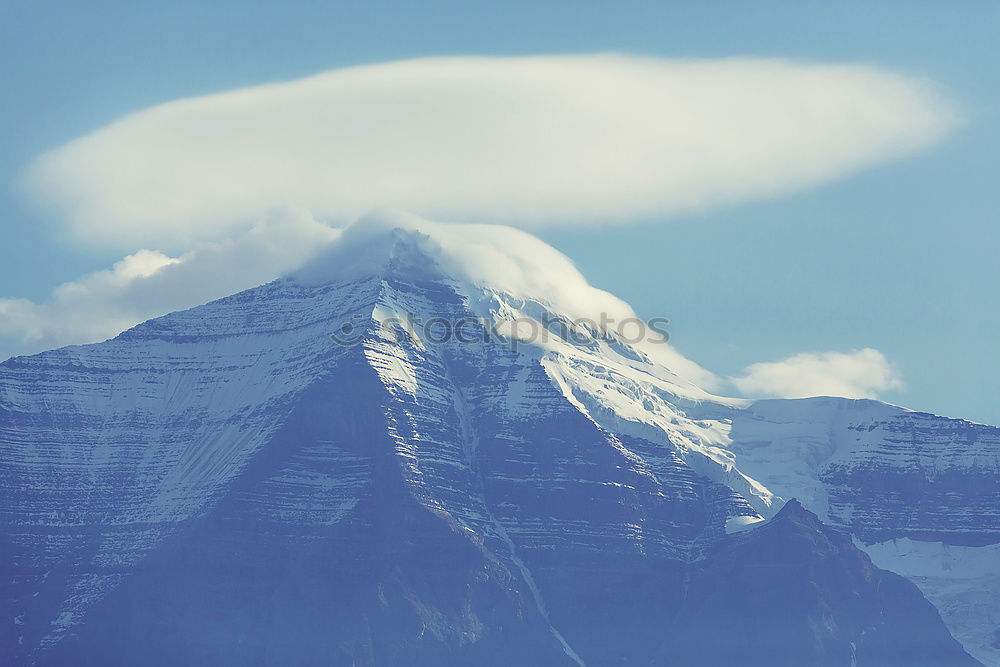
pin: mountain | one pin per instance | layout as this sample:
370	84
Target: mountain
414	452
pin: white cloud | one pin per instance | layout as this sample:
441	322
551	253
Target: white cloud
858	374
526	141
148	284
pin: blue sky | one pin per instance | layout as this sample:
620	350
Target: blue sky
901	257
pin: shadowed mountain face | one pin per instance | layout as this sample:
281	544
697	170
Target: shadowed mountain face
796	592
228	486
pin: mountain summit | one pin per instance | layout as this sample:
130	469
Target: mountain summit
310	472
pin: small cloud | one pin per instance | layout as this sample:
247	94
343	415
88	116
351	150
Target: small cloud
148	284
529	141
858	374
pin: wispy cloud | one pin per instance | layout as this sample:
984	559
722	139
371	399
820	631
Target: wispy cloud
858	374
148	284
528	142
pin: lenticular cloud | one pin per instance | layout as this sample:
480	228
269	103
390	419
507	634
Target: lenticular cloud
530	141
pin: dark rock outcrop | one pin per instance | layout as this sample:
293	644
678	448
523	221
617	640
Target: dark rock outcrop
795	592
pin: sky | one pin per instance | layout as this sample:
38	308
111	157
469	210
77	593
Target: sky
886	271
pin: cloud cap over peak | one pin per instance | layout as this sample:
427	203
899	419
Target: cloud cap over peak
528	141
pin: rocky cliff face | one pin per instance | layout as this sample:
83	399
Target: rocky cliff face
229	485
882	471
796	592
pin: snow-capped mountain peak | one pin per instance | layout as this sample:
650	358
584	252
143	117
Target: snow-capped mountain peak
391	492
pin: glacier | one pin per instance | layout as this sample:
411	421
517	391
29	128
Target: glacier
229	485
